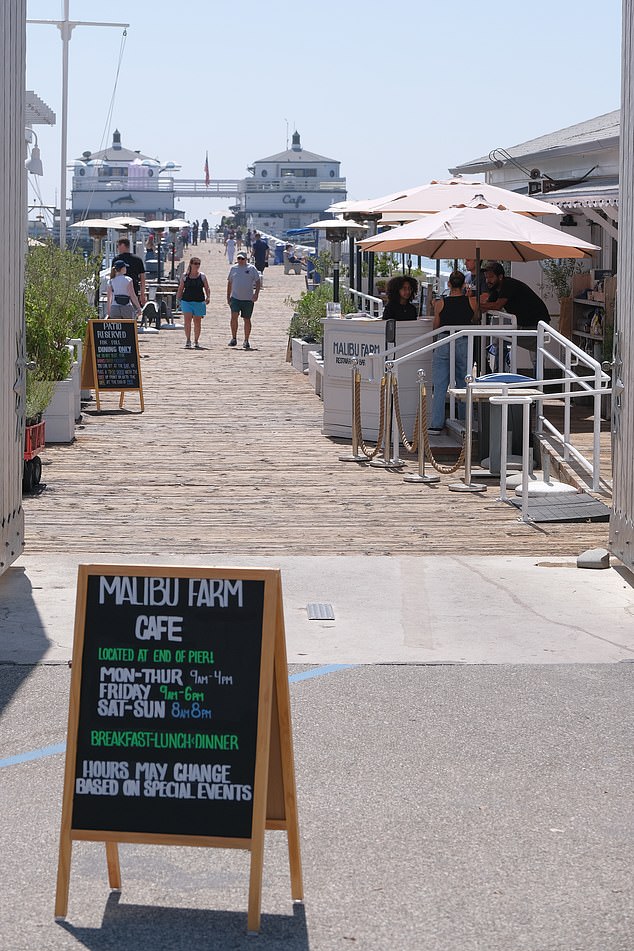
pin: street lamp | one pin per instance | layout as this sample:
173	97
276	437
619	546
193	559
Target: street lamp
337	230
33	165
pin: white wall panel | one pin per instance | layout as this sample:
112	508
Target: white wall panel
13	239
622	519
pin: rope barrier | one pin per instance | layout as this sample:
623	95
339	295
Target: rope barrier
413	445
368	453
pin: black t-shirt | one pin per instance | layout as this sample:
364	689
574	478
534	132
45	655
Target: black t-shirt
456	312
260	253
134	266
522	301
400	312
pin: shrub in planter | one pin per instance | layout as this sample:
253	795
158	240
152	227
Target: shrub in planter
58	284
38	395
311	308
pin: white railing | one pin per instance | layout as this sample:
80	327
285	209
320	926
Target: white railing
569	385
373	305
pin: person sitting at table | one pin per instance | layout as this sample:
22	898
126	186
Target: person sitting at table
122	301
456	310
400	292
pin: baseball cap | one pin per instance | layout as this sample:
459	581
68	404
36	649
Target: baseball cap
118	265
241	254
494	266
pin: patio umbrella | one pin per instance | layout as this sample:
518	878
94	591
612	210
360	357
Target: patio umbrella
440	195
480	229
329	223
95	223
176	223
127	223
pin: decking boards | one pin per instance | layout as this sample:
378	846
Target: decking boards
228	458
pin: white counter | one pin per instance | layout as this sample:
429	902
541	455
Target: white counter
360	337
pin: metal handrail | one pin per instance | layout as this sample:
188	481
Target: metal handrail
593	385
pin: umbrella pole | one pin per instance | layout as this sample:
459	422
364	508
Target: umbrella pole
478	311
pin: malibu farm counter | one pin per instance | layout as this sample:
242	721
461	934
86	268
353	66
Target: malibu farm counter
360	337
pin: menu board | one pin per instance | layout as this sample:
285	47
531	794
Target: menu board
179	726
116	354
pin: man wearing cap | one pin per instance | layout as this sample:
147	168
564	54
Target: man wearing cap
135	266
243	289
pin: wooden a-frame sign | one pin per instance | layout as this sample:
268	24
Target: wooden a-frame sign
117	365
150	644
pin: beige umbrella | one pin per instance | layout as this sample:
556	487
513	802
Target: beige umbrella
480	230
176	223
127	223
95	223
439	195
329	223
366	207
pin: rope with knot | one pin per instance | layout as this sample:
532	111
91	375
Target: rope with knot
413	445
370	453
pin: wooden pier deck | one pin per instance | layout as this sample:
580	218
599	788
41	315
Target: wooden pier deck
228	458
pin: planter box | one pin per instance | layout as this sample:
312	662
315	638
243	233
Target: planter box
316	371
60	413
299	353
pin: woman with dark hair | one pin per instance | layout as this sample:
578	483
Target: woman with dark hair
400	292
453	311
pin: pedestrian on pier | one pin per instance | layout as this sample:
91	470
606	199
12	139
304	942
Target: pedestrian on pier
122	301
193	294
243	290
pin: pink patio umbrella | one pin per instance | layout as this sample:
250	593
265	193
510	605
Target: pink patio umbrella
440	195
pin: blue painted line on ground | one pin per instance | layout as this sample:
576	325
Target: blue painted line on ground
318	671
61	747
33	754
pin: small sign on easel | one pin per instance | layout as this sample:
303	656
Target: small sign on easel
179	729
111	359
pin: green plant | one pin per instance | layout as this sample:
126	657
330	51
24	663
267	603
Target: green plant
311	308
38	395
559	274
59	286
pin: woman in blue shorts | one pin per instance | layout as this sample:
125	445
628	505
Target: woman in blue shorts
193	296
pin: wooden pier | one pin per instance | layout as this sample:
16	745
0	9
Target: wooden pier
228	458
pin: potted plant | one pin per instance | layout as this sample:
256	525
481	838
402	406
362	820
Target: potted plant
559	274
59	288
306	330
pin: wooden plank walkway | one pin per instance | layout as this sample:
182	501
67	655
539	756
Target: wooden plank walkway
228	458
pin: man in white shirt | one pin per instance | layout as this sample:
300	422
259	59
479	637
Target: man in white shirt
243	289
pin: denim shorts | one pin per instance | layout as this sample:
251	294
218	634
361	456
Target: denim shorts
197	308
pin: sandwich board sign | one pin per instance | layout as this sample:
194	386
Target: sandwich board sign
179	729
111	359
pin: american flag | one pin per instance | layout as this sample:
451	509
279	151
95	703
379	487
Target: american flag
207	178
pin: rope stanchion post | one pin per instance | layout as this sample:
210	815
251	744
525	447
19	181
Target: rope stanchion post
420	477
467	485
355	455
388	461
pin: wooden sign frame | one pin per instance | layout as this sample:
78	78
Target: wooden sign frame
89	375
274	790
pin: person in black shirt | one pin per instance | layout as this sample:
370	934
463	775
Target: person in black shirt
134	266
457	310
400	291
515	297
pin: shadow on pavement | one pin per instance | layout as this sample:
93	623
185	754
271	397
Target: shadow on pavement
146	928
23	639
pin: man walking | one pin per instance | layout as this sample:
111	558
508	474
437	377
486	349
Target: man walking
134	268
243	289
260	254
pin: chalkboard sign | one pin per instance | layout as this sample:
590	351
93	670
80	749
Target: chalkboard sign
177	688
111	360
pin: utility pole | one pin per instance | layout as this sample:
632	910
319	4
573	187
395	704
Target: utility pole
66	27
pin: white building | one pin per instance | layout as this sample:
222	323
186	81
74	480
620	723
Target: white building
290	189
119	181
576	168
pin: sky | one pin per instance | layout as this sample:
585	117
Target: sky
398	93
